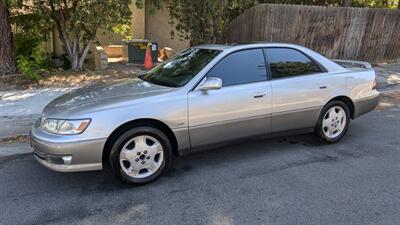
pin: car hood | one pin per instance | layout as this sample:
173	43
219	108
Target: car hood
131	88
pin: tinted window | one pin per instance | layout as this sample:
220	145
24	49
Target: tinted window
285	62
181	68
240	68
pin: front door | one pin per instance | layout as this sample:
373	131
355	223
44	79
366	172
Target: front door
241	108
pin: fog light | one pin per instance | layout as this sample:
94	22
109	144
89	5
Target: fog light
67	159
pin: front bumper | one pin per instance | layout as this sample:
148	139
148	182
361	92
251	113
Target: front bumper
66	153
365	105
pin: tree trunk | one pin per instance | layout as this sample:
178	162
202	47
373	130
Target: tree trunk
346	3
74	55
7	60
83	54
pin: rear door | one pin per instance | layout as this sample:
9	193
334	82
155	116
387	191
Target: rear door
241	108
300	87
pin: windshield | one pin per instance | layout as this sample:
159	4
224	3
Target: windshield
180	69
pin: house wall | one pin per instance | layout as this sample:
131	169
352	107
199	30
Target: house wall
138	22
157	28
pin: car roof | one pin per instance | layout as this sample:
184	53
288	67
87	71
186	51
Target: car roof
212	46
228	48
241	45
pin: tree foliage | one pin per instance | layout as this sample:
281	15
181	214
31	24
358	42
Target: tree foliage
201	21
30	65
390	4
204	21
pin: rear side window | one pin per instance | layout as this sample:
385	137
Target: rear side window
240	67
286	62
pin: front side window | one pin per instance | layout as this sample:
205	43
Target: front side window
179	70
240	67
286	62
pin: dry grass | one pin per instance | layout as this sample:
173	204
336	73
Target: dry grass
15	139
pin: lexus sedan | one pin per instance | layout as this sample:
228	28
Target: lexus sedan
205	95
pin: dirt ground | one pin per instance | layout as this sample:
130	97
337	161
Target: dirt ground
65	79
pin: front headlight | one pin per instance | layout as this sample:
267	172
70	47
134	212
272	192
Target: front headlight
58	126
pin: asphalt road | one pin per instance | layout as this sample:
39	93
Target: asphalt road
288	180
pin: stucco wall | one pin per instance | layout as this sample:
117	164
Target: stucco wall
138	22
158	29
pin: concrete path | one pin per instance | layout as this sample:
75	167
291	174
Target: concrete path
388	77
18	109
27	102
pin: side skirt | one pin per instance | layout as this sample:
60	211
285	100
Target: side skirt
245	140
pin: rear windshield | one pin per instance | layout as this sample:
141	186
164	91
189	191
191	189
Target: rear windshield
180	69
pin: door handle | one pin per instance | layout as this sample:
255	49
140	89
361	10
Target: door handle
259	95
322	87
261	67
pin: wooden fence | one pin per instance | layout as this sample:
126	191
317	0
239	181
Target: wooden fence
344	33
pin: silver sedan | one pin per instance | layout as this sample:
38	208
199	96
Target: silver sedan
203	96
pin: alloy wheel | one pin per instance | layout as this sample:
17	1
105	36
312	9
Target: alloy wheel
141	156
334	122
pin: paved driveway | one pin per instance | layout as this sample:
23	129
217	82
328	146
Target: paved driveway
290	180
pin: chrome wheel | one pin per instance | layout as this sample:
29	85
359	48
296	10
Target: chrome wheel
141	156
334	122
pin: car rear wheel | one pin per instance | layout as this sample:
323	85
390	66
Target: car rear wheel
140	155
333	122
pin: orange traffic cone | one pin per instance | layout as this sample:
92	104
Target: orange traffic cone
148	62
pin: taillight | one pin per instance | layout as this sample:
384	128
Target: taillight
374	84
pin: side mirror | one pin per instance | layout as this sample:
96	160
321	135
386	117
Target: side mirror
211	83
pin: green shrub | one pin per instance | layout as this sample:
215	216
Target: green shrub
25	43
27	68
40	57
30	65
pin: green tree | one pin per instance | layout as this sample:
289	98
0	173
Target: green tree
201	21
389	4
204	21
346	3
78	22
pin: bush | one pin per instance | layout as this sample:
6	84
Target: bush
30	65
25	43
27	68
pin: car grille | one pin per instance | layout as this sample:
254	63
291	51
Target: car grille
41	155
54	159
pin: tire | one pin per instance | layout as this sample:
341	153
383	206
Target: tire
333	122
140	155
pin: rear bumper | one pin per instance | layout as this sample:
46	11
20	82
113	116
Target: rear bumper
365	105
66	155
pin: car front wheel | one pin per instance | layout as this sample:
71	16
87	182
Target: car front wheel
140	155
333	122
